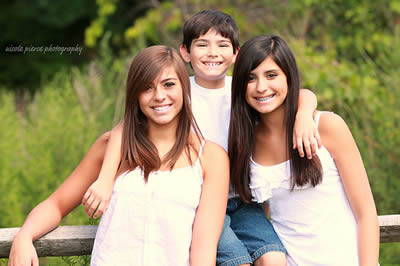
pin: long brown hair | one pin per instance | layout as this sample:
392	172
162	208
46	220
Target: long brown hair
244	118
137	149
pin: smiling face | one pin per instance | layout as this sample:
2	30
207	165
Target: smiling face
162	101
267	87
211	55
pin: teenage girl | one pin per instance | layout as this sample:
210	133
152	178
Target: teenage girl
322	209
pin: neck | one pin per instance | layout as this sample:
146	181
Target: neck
274	123
210	84
163	136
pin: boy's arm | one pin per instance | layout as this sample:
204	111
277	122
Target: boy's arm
210	213
305	132
59	204
99	193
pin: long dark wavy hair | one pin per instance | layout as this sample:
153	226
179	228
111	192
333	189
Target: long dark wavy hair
137	149
244	118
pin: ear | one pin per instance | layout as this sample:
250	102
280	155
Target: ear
235	55
184	53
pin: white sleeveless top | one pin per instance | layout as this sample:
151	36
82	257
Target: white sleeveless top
150	223
315	224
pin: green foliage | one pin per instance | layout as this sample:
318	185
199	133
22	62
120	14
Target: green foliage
96	28
77	260
10	163
147	30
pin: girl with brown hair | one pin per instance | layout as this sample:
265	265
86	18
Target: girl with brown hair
168	201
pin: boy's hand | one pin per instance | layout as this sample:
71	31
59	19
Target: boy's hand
305	133
97	196
23	252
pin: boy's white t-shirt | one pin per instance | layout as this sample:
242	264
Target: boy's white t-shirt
212	111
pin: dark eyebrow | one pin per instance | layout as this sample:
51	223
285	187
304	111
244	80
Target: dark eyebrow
268	71
228	41
200	40
205	40
272	70
168	79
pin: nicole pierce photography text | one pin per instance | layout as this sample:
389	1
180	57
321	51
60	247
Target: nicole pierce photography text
44	49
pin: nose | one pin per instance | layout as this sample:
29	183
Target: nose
211	50
159	94
262	85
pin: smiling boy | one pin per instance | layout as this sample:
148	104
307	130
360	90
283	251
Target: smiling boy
210	44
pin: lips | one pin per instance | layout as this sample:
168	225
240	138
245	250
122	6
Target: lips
161	108
265	99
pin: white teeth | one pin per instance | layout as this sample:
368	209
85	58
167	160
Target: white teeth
265	99
161	108
212	63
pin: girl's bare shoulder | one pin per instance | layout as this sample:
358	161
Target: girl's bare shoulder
333	129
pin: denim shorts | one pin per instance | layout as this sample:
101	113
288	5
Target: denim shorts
247	235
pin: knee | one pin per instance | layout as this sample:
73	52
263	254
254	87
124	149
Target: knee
274	258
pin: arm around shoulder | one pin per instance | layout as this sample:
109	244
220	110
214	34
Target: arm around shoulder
305	133
211	210
99	193
338	140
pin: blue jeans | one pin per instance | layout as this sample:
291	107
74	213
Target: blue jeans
247	235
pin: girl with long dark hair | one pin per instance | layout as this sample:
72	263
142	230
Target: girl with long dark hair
322	209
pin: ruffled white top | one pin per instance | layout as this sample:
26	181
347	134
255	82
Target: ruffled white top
150	223
315	224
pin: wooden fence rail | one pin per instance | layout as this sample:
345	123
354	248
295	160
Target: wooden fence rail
78	240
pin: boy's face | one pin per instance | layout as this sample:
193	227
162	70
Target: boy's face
211	55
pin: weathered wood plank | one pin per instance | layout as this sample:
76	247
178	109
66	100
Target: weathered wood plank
389	228
62	241
78	240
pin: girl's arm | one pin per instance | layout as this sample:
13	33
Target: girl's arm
210	213
337	138
305	133
59	204
98	196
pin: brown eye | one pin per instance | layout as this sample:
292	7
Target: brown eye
169	84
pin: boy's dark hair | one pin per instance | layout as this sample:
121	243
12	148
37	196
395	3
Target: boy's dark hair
205	20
